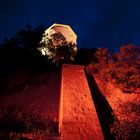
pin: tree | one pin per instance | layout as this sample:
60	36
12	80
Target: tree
127	71
29	38
21	50
122	68
56	48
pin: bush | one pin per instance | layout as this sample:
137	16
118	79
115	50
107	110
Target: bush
15	121
122	68
129	125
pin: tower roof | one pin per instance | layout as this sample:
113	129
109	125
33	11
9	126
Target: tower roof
65	30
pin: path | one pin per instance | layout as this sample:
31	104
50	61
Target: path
80	121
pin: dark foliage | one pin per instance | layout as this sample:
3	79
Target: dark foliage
15	120
21	51
57	49
85	56
122	68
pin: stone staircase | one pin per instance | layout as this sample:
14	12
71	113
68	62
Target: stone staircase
77	116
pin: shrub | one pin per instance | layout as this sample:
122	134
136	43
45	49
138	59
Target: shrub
122	68
14	119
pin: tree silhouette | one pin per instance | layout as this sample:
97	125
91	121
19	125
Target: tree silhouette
21	50
29	38
57	49
85	56
121	68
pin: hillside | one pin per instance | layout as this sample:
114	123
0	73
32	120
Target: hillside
30	105
118	80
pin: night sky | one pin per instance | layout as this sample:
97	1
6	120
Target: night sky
98	23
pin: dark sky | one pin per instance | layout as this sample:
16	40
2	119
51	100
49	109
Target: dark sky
98	23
